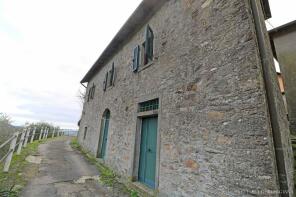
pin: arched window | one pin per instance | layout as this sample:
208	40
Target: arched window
103	134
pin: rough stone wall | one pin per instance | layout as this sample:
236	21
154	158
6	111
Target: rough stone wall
215	133
285	44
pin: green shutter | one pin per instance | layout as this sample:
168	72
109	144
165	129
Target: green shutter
112	78
105	82
136	60
149	37
88	94
93	91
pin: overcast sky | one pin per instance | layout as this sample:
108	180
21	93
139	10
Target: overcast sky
46	47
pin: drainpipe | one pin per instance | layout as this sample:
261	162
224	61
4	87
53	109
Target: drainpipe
274	119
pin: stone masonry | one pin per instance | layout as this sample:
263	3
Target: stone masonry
214	130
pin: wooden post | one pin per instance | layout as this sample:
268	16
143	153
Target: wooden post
40	134
27	136
47	132
11	150
45	136
20	145
33	135
44	133
52	135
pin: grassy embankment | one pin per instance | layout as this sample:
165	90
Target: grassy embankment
107	176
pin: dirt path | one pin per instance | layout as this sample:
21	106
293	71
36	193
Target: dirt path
63	172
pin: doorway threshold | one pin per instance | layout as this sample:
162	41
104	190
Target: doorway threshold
144	190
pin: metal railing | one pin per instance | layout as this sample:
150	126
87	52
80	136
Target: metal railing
20	139
69	132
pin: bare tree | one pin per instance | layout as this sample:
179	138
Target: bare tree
6	129
81	96
5	119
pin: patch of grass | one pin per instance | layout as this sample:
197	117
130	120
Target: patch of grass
13	181
107	176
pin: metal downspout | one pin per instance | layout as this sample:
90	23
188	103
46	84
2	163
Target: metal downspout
280	160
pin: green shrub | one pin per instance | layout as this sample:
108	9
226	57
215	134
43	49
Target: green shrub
13	181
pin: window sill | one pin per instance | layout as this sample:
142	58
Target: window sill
109	88
148	113
143	67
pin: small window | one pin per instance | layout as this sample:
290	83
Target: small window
91	93
85	133
149	105
143	54
109	78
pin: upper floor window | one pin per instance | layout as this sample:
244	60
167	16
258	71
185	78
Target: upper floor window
109	78
85	133
144	54
91	93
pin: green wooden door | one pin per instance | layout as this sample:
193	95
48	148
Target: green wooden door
105	137
104	133
148	146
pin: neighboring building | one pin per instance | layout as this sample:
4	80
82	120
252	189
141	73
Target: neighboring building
182	102
281	82
283	41
282	89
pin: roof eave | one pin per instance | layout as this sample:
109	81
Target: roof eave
140	16
288	26
266	9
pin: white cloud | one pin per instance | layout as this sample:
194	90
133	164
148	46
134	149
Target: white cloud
282	11
46	48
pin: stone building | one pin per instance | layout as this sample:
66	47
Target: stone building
185	101
283	41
